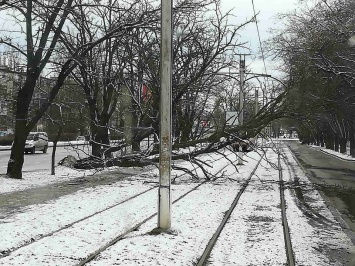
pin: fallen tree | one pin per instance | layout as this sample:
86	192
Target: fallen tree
189	150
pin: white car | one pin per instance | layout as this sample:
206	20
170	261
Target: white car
36	141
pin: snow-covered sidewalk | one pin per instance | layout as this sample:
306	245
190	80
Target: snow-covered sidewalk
93	217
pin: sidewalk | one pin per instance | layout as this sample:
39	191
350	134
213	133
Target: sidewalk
339	155
50	144
253	236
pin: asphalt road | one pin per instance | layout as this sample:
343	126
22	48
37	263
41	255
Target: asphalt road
334	177
42	161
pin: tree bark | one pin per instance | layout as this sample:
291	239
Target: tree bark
336	143
342	143
100	138
136	146
329	142
185	127
55	141
15	164
317	140
23	99
352	141
321	140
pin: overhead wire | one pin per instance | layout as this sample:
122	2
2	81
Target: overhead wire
257	28
260	44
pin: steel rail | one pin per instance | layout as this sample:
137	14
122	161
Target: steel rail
93	255
286	229
34	239
205	255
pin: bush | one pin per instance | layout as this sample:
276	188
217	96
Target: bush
6	140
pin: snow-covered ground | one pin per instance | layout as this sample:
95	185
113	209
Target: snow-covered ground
343	156
252	236
39	179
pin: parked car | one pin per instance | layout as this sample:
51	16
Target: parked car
36	141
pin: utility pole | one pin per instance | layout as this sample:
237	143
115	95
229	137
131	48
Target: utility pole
256	101
241	91
164	197
241	101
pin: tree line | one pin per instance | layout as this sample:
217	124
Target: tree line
317	48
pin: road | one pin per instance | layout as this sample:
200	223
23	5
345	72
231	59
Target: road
42	161
333	176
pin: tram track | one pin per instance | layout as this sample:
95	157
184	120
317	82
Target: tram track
280	185
205	255
34	239
4	253
203	260
136	226
286	229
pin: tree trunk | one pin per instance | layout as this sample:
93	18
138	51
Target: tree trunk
185	125
105	140
336	143
55	141
185	133
317	140
99	133
15	164
95	142
23	99
342	143
100	139
136	145
321	140
352	142
329	142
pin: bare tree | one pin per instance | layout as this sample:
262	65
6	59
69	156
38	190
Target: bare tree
41	25
204	45
316	49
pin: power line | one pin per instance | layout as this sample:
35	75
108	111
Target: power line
257	28
261	48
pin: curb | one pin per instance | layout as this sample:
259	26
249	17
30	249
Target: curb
335	156
50	144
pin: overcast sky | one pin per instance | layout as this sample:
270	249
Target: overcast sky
243	10
267	9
